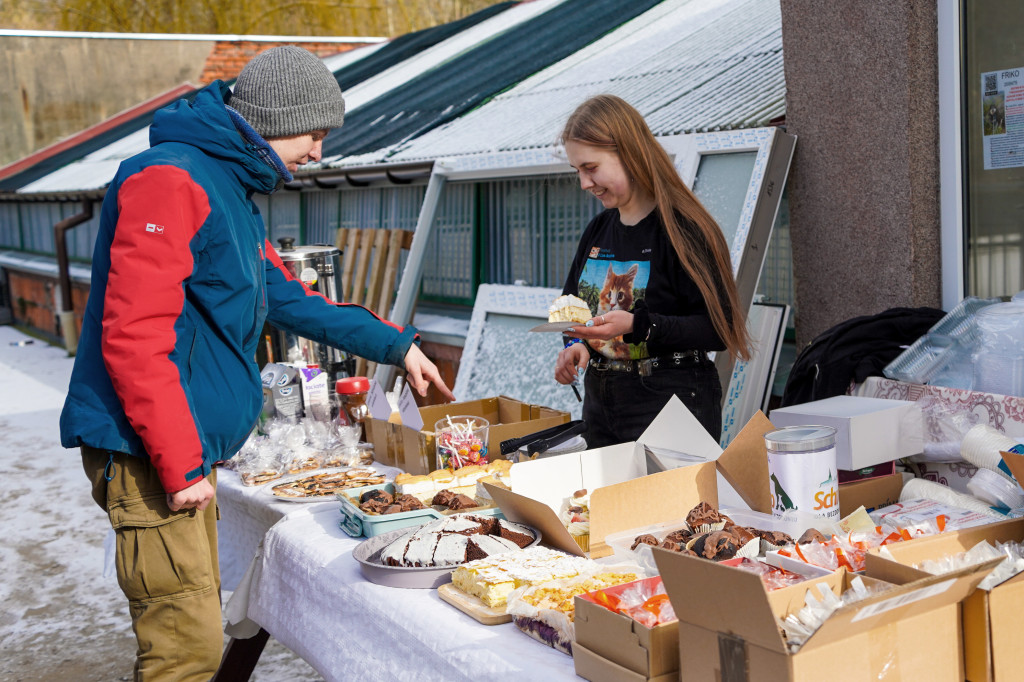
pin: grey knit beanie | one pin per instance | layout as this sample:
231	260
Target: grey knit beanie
287	90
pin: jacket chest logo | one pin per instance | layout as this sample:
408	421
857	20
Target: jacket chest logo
153	227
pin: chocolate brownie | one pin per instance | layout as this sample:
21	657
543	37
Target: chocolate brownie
377	494
775	537
443	498
645	539
461	501
682	536
672	545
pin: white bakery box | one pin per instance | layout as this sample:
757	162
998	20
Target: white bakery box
869	431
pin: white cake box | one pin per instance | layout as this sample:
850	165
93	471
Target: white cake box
869	431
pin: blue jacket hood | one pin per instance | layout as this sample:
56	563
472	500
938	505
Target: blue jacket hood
206	124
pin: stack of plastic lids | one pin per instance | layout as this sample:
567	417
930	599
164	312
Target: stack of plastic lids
951	339
995	490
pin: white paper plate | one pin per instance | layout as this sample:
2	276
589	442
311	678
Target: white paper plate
556	326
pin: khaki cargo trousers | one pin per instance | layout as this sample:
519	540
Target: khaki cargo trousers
167	567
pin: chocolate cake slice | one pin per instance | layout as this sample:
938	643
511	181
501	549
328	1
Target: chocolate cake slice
520	535
480	546
451	550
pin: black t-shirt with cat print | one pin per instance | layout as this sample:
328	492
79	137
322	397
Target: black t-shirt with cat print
618	265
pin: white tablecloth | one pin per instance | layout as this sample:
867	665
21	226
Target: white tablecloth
247	513
307	591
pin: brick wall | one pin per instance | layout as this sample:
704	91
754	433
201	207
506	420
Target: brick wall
227	57
34	299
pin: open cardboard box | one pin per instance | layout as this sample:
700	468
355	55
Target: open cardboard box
623	495
413	449
991	620
615	648
728	627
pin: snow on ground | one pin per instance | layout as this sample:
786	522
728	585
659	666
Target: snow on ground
59	617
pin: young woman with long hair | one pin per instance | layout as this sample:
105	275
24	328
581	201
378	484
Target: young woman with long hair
655	269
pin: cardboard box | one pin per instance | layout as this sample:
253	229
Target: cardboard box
991	620
870	494
868	430
413	450
728	627
616	647
622	493
596	668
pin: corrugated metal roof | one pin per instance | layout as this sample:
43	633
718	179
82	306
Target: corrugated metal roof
445	93
687	65
399	74
412	44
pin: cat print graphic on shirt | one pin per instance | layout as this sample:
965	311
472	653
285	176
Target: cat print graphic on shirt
613	285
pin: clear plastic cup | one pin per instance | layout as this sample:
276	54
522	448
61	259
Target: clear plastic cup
461	441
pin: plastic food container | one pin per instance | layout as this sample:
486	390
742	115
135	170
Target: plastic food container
357	523
802	470
951	339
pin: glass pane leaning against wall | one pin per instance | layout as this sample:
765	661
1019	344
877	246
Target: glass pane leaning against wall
994	130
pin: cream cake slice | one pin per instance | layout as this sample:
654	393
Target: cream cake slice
568	308
493	578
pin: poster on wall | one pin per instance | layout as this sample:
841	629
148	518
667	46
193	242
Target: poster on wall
1002	117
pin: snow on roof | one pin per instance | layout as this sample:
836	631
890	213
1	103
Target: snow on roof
687	65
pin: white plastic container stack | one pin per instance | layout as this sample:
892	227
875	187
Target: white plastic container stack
999	361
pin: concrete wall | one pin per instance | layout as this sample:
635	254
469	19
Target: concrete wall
55	87
862	83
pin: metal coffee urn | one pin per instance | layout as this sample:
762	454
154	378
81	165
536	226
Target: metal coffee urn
319	268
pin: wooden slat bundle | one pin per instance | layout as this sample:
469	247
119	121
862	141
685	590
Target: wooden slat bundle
369	268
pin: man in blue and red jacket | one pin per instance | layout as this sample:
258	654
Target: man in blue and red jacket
165	381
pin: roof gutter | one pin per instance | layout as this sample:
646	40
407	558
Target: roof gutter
66	315
361	176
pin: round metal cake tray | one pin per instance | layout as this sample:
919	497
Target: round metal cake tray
367	553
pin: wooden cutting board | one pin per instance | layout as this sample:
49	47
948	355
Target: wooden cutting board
472	606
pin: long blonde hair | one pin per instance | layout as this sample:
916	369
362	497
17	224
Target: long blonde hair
609	122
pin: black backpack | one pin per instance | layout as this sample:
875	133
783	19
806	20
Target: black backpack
854	350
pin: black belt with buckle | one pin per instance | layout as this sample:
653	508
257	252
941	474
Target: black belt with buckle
645	366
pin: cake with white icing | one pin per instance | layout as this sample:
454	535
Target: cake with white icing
454	540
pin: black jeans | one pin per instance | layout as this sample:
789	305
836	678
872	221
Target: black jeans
620	405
